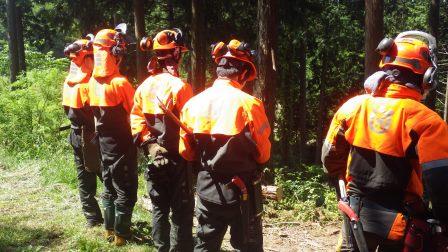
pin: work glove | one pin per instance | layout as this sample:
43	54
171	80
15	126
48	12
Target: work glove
157	153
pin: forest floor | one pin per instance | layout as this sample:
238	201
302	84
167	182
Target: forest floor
39	217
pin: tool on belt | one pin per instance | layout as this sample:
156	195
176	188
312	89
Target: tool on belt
346	206
244	205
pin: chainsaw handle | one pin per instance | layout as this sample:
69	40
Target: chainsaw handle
347	210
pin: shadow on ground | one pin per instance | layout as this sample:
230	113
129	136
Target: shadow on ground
19	238
141	231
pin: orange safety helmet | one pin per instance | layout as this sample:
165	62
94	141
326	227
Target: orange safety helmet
408	50
235	50
164	40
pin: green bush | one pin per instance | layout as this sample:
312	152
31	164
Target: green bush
307	194
31	114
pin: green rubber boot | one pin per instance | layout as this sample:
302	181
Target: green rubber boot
109	217
123	216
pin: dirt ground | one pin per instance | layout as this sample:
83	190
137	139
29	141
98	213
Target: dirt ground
288	236
296	236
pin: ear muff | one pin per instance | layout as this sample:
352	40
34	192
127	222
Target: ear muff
119	49
179	37
72	48
384	46
218	49
89	45
146	44
429	81
244	47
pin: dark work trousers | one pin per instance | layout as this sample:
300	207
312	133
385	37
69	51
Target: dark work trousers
170	188
374	242
120	180
86	182
213	220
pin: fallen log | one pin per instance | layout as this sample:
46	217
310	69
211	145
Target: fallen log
272	192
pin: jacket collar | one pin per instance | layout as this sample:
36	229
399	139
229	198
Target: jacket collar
227	82
400	91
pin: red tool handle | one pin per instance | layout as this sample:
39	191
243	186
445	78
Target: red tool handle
345	208
238	182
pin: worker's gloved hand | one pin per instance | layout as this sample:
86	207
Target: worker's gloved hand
158	154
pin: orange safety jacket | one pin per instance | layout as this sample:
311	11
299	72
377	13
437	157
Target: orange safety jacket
148	121
75	95
230	136
380	145
111	99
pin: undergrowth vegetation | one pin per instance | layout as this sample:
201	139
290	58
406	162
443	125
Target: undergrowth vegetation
306	194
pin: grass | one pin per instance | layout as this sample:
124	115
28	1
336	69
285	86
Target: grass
40	216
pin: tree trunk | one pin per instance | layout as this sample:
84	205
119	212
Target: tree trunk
198	54
434	16
88	17
170	10
20	41
445	106
12	40
302	101
373	34
321	112
267	43
139	25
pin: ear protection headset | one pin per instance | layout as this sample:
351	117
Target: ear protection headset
175	35
76	47
119	49
429	81
220	48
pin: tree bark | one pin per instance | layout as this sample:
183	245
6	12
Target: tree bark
321	111
88	17
267	45
198	54
12	40
20	41
374	29
434	16
302	102
170	10
445	106
139	25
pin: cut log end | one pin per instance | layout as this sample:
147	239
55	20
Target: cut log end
272	192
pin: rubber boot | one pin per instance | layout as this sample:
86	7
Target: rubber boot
109	218
123	216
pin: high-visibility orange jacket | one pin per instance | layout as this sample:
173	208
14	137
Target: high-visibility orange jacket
148	120
382	137
230	135
381	144
75	94
112	98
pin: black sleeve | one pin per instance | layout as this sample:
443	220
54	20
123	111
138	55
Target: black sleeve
435	180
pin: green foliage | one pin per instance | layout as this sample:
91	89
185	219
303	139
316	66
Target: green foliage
307	194
30	109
